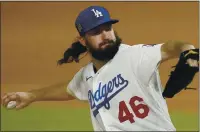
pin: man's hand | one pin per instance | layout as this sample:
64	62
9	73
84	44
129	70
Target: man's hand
192	62
22	99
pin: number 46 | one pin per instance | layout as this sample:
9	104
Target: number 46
128	115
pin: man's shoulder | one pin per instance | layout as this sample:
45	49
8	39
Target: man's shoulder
123	46
127	47
136	46
130	45
87	69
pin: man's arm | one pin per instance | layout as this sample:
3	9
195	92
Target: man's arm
55	92
172	49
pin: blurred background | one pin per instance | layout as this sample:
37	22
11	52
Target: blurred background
34	35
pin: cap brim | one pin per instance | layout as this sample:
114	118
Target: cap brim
112	21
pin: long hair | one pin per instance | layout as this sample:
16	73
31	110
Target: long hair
73	53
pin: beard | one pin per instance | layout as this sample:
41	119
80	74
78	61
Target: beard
108	52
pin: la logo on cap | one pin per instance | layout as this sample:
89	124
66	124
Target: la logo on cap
97	13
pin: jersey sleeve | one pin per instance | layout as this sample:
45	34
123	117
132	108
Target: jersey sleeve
150	58
76	86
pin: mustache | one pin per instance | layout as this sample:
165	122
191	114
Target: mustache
106	42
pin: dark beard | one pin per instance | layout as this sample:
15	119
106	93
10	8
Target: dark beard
108	53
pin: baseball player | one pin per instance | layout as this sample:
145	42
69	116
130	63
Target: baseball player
121	83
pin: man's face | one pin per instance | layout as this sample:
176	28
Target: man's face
102	42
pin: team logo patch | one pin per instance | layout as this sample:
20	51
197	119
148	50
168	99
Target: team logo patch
79	27
87	78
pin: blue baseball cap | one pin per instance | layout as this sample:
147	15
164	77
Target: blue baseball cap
92	17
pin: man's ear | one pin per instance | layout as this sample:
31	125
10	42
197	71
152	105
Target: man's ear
81	40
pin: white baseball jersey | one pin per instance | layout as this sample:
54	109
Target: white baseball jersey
126	93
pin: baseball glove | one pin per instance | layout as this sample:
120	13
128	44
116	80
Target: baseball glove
182	75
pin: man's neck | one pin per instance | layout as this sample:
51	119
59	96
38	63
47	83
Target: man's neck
98	64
